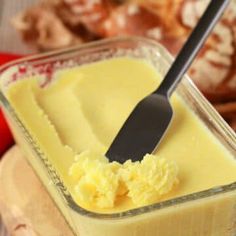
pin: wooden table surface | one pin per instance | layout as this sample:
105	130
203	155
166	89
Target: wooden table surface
25	205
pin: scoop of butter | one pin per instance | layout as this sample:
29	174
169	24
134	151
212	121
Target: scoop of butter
100	182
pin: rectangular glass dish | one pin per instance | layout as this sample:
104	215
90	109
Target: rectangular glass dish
210	212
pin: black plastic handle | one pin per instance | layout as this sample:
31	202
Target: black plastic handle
192	46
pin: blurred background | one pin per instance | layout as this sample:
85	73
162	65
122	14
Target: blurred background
9	39
32	26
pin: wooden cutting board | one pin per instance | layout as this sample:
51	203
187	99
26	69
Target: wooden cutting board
25	206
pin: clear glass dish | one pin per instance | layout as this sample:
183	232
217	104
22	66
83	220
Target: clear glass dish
210	212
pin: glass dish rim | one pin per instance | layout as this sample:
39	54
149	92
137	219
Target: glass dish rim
186	82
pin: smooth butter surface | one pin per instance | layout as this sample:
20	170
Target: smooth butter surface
83	109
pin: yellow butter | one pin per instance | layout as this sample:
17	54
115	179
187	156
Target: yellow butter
75	118
99	182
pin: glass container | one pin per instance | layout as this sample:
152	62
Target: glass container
209	212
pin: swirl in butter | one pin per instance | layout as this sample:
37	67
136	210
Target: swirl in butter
100	182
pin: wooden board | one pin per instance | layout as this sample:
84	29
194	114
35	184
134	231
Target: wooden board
25	206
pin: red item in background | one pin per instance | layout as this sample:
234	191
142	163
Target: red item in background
4	57
6	139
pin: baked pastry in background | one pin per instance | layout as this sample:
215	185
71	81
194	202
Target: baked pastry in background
62	23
